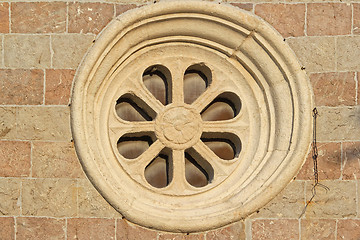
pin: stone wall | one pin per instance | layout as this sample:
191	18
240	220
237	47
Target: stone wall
44	193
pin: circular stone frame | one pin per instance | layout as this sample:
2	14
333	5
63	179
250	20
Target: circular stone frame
261	62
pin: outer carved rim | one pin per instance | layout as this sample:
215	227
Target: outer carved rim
257	48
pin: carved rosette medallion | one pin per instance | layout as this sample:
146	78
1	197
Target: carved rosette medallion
188	116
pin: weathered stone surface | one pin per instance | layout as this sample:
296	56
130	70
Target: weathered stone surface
89	17
328	19
90	228
49	197
128	231
329	163
55	160
245	6
38	17
338	202
58	86
233	231
287	204
15	159
7	228
10	196
181	236
317	54
356	18
275	229
348	229
121	8
318	229
92	204
348	50
40	228
27	51
351	160
7	123
334	89
21	87
37	123
288	19
338	123
4	17
69	49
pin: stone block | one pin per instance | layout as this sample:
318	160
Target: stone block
181	236
49	197
89	17
347	52
38	123
351	160
58	86
7	228
233	231
10	196
348	229
338	124
7	123
289	203
69	49
90	228
40	228
4	17
334	89
121	8
318	229
317	54
128	231
38	17
328	19
275	229
288	19
21	87
356	18
55	160
15	159
27	51
92	204
337	202
329	163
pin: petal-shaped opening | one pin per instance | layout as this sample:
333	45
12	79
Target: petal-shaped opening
224	107
196	79
132	145
157	79
157	172
198	172
226	146
131	108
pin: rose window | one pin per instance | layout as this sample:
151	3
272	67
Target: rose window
190	115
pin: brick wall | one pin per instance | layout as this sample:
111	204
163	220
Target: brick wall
44	193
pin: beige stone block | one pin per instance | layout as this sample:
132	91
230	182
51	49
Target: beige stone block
338	123
317	54
27	51
92	204
337	202
44	123
49	197
358	200
1	51
289	203
40	228
7	123
10	196
69	49
348	51
55	160
318	229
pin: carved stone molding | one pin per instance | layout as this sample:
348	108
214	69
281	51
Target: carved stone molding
203	89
